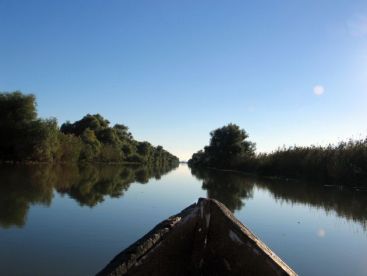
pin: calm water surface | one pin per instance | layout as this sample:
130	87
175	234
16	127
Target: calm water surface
73	220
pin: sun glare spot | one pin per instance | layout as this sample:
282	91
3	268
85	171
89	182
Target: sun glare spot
318	90
321	233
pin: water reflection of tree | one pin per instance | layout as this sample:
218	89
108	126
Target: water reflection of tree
229	188
20	188
23	186
91	184
345	202
232	188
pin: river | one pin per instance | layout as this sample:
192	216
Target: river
72	220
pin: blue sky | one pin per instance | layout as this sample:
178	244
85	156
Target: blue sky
288	72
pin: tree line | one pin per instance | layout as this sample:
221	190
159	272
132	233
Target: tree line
341	164
27	138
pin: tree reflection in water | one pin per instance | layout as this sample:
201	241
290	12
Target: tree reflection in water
22	186
343	201
233	189
229	188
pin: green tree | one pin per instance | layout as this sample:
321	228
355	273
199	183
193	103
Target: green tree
144	149
110	153
17	108
108	136
94	122
70	148
23	136
44	135
227	148
122	132
17	112
91	147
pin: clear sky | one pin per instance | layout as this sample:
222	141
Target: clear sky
288	72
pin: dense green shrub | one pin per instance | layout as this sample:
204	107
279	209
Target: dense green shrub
70	148
342	164
26	138
345	163
110	153
227	149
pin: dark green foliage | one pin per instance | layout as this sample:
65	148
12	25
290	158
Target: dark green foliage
122	132
228	147
91	145
145	150
127	149
93	122
17	112
343	164
110	153
135	158
17	108
23	136
105	144
108	136
26	138
70	148
44	138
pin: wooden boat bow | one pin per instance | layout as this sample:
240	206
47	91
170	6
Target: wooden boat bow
203	239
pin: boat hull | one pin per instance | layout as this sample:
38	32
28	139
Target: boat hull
204	239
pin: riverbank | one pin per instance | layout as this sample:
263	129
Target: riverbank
72	163
26	138
341	164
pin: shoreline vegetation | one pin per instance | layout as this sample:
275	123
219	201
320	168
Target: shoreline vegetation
27	139
344	164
